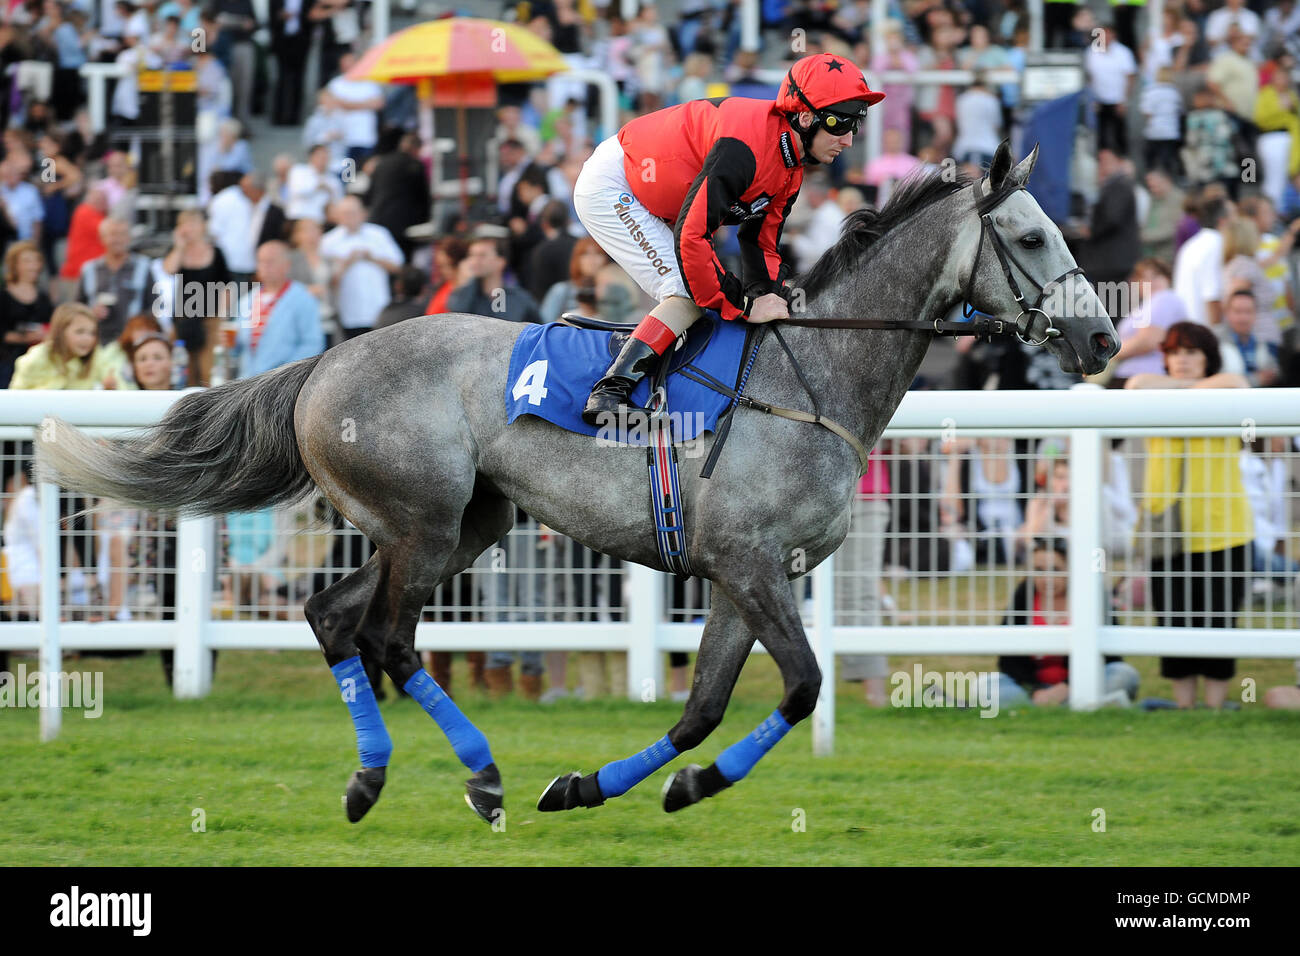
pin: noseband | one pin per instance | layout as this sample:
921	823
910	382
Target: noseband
985	205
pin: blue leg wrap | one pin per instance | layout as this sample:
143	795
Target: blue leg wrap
619	777
739	759
373	743
466	740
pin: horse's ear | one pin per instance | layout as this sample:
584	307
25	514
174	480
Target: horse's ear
1001	166
1020	175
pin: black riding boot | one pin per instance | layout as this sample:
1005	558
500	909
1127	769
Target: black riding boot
634	362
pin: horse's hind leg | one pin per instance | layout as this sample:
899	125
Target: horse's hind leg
413	575
335	616
724	649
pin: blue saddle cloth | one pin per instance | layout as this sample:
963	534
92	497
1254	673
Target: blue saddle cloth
553	368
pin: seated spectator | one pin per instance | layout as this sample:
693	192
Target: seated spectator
1042	599
1200	557
994	483
311	187
25	309
116	285
19	200
1267	482
241	218
1155	308
927	538
313	270
587	263
399	196
1162	105
979	124
60	189
1244	352
137	328
1209	155
359	102
1242	270
525	229
83	240
892	165
22	551
1161	225
483	289
549	261
1047	513
447	257
281	321
196	289
71	357
362	256
409	294
1277	113
818	224
1198	268
1274	252
1111	239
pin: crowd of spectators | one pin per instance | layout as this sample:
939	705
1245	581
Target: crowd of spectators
1189	166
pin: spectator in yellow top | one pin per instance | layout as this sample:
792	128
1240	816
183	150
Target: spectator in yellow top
71	357
1201	518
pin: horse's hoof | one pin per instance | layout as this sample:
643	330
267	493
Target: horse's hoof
484	793
363	791
682	788
691	785
570	791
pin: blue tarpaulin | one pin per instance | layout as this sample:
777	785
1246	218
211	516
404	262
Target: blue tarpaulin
1051	125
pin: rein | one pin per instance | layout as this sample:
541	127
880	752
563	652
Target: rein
977	325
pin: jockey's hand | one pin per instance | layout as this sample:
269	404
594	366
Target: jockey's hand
769	307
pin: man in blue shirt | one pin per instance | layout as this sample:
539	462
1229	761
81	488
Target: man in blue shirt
1243	352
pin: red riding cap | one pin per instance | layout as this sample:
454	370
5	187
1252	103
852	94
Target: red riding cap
817	82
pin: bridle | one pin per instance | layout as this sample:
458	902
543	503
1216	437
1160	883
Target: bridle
985	205
976	325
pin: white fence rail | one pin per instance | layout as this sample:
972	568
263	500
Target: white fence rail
1085	416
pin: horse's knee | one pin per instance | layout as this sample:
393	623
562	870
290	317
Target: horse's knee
401	662
801	695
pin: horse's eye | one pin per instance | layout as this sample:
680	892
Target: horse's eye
1032	241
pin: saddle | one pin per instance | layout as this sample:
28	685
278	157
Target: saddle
686	350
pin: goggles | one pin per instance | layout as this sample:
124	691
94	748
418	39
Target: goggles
839	124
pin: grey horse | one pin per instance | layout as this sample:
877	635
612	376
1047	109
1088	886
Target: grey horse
404	431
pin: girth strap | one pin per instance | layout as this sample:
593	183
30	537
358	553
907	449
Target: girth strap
794	414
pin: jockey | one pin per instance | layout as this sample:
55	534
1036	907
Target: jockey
654	195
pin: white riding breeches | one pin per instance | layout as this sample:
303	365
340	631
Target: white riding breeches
638	241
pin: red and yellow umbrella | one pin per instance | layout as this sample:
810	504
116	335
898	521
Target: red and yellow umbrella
459	46
458	61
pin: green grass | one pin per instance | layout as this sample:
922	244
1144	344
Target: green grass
267	754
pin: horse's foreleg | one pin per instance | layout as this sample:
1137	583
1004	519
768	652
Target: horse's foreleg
771	611
723	651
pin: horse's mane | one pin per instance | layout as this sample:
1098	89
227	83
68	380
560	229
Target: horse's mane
865	226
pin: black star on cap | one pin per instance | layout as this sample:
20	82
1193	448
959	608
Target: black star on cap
833	64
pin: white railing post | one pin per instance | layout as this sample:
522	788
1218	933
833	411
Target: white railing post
1087	568
51	655
644	600
823	719
195	567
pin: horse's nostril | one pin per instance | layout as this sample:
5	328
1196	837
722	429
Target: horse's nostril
1101	342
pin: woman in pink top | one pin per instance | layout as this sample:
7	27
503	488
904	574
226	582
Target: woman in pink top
859	564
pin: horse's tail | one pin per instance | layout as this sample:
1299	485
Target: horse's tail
230	448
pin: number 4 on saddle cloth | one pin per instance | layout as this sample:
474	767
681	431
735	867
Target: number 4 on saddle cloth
554	366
